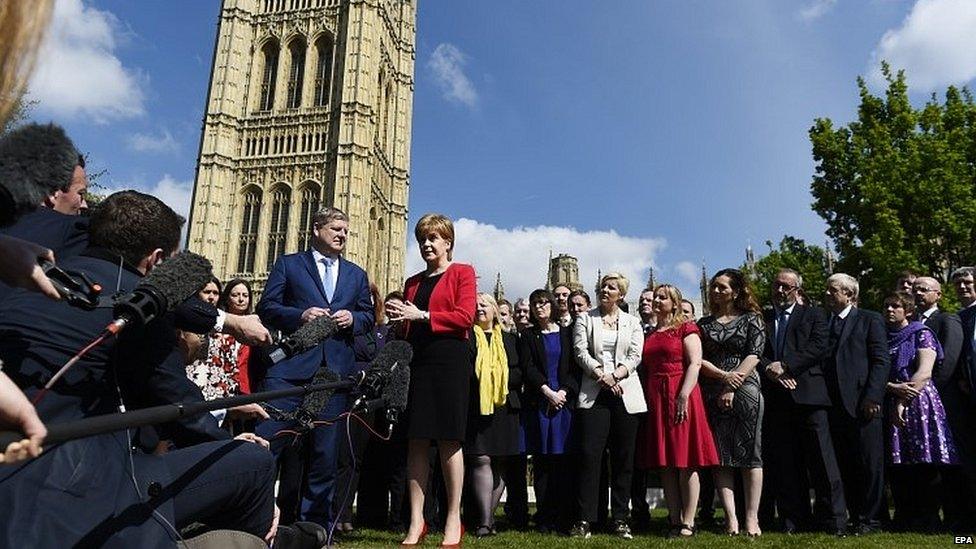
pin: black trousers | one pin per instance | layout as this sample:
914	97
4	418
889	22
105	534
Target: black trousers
802	454
516	491
915	491
859	445
553	490
607	423
959	482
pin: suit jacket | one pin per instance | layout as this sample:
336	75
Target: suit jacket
803	352
65	235
293	286
74	486
532	361
452	302
858	366
588	344
948	329
967	357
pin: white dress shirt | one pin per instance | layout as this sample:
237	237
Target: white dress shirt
321	261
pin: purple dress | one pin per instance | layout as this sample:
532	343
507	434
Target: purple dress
926	437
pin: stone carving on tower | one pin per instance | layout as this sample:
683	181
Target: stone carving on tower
563	269
309	105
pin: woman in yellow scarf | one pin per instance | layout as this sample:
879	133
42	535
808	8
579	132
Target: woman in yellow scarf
493	422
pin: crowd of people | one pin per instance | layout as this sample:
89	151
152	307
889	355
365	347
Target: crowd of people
797	418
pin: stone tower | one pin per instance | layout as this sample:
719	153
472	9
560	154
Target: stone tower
309	105
563	269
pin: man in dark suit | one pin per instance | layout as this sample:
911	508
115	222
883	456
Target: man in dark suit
856	371
300	288
956	389
98	491
797	437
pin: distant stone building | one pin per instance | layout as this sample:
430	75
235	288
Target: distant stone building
563	270
310	104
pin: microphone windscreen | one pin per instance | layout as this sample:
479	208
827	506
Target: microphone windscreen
311	334
195	315
315	401
396	352
179	277
397	387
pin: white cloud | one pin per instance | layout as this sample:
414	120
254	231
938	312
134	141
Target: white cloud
447	65
521	254
935	45
816	9
147	142
78	73
689	274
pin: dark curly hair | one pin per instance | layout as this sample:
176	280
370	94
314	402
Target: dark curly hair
744	301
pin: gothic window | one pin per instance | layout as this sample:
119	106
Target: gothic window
310	205
296	77
323	72
280	202
269	75
249	231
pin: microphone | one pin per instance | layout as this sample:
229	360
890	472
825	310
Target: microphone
165	287
385	383
308	336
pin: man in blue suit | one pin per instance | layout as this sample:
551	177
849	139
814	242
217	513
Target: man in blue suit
300	288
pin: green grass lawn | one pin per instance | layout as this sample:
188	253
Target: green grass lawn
376	538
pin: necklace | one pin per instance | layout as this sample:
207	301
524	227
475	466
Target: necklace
610	323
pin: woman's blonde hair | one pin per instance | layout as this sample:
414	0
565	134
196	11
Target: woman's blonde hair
492	305
22	26
677	317
435	223
623	284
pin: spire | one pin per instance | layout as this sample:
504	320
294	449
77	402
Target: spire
599	277
828	258
650	279
750	260
549	273
499	292
703	286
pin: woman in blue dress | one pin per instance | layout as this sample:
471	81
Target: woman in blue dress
546	353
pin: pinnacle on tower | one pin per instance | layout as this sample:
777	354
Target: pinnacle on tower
650	279
499	293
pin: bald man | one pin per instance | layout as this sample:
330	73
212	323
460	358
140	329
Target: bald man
956	485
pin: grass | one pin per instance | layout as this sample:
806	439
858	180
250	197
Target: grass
521	540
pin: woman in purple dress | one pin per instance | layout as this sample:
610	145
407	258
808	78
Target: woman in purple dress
918	434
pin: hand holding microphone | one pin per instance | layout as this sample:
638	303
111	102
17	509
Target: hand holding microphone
20	268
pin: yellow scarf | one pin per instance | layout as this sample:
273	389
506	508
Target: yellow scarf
491	367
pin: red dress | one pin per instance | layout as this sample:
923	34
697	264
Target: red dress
661	442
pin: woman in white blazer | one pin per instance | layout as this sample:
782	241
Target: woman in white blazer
607	343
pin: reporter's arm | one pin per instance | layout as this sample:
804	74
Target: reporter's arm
16	412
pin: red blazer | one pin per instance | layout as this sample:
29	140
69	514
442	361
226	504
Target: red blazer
452	302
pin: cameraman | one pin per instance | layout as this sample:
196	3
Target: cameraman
98	490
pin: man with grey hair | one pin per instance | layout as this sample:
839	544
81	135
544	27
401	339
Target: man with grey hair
959	398
797	446
302	287
856	371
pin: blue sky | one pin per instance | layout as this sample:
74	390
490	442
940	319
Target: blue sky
627	133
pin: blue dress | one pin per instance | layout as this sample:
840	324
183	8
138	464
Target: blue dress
547	430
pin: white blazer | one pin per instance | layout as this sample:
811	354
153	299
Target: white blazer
588	345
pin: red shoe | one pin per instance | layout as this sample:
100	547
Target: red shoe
459	543
420	539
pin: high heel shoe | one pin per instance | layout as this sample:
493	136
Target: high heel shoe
420	538
459	543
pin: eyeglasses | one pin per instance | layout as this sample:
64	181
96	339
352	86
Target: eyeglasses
781	286
541	303
922	289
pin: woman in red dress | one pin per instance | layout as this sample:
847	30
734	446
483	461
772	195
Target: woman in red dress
676	436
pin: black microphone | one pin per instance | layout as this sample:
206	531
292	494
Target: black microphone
384	384
308	336
166	286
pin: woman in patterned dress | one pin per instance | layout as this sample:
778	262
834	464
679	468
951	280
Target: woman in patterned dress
733	336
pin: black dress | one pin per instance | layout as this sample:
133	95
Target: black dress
498	433
440	378
738	432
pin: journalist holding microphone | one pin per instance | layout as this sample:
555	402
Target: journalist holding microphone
440	312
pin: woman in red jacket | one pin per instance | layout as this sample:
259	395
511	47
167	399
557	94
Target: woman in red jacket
439	313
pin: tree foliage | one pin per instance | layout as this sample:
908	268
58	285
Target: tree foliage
792	253
896	186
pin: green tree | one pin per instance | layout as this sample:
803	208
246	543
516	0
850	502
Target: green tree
896	186
792	253
19	114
